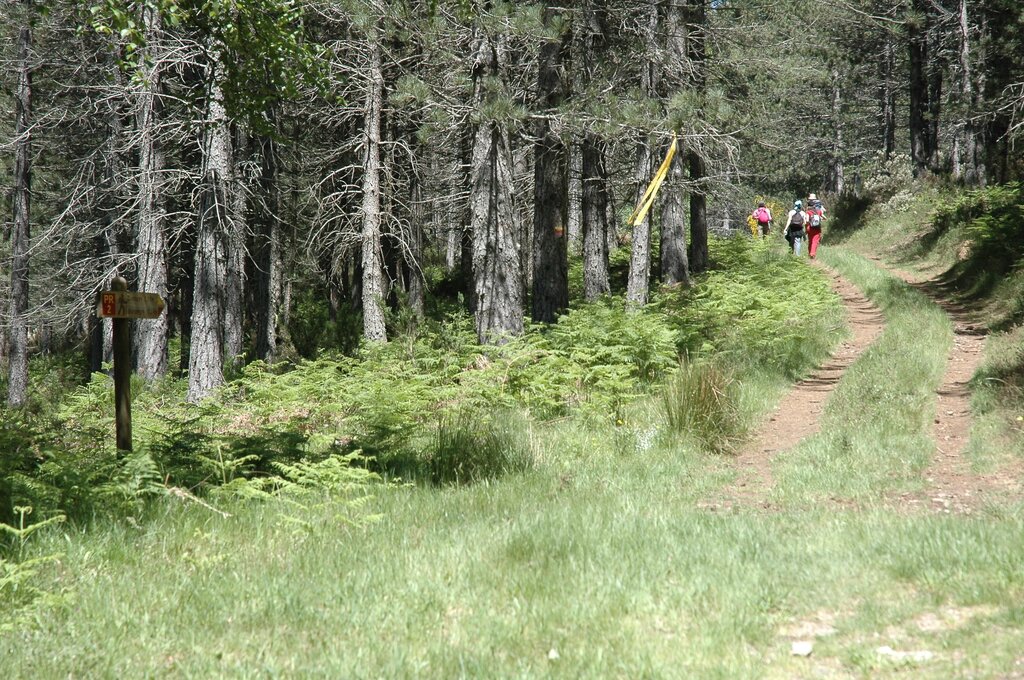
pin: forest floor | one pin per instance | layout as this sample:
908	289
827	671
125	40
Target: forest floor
951	485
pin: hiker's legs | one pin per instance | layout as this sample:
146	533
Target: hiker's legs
764	230
796	244
813	238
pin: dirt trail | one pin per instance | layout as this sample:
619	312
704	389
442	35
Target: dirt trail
798	414
950	485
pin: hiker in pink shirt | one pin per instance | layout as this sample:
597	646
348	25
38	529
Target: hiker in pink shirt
763	216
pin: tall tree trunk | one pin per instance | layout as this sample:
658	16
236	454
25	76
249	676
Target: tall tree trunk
373	267
697	52
206	360
698	215
151	240
101	330
267	255
935	69
917	33
497	260
183	252
595	219
550	253
675	266
467	267
836	179
598	213
889	99
638	284
673	260
574	218
969	102
414	251
17	333
234	250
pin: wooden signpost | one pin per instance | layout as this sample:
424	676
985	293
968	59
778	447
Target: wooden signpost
122	306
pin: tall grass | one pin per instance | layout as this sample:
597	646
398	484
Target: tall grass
701	401
471	446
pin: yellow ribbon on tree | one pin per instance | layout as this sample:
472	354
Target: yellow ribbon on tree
651	193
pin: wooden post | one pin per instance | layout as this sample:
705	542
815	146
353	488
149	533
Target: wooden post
122	374
122	306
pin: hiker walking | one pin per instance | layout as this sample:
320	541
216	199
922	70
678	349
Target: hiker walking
795	222
815	221
763	216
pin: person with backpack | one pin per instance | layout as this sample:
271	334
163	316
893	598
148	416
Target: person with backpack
795	223
763	216
815	221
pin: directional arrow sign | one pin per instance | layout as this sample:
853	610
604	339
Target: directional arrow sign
119	304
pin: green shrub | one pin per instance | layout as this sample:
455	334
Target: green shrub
887	179
471	446
311	329
759	309
20	597
995	234
700	400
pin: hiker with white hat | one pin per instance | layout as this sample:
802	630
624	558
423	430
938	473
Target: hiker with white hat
815	221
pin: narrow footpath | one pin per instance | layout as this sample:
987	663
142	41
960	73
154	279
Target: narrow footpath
798	414
951	485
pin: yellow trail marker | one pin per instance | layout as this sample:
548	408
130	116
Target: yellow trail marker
652	189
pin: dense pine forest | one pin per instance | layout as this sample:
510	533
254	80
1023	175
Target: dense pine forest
431	322
293	176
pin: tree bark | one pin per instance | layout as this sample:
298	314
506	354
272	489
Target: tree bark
107	246
17	332
935	69
697	53
206	361
373	268
836	171
497	260
267	255
151	240
889	100
550	253
969	102
595	219
574	218
917	34
234	281
598	211
414	251
638	284
698	215
675	266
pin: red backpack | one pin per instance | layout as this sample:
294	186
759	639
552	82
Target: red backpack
761	215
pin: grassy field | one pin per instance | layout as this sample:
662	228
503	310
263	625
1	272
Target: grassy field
600	561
